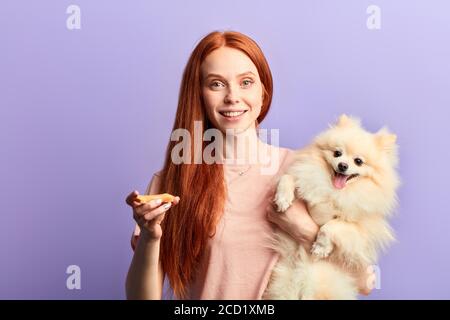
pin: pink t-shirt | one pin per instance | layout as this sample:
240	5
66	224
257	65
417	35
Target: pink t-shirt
237	262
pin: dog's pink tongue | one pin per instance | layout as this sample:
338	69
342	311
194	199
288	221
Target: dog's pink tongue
339	181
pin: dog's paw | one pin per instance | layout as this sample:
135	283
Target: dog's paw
285	195
282	203
322	247
319	251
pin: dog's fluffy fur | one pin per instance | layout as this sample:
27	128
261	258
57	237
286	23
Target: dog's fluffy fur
351	207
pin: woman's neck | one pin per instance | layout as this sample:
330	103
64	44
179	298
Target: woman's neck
243	148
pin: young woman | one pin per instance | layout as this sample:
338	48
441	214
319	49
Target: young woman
213	244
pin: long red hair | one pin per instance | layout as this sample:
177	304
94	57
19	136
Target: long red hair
201	187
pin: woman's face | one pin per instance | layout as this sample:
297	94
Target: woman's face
232	90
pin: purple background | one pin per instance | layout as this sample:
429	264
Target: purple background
85	116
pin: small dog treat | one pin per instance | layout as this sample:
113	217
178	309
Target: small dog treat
165	197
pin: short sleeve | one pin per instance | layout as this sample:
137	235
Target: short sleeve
152	188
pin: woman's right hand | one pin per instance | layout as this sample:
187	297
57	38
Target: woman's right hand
149	215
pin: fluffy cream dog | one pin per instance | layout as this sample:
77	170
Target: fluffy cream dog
347	178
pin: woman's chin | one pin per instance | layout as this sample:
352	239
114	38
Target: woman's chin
236	128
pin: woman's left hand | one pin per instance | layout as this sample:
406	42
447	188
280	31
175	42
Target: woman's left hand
296	221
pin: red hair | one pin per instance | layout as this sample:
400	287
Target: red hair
201	187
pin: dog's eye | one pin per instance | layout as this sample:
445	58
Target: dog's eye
337	154
358	162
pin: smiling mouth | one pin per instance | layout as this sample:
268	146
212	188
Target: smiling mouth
232	114
340	179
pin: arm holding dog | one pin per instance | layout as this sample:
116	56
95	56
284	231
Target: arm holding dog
296	221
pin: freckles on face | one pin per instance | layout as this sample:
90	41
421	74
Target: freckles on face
231	88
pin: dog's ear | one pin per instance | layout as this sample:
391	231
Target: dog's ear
385	139
387	142
347	121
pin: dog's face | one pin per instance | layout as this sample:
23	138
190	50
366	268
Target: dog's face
354	155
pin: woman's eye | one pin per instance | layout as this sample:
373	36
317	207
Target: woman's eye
216	84
247	82
337	154
358	161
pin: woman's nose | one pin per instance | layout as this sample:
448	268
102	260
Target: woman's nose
232	96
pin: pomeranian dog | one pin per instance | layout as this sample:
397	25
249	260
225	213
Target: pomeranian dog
348	180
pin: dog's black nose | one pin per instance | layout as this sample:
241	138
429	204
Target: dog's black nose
342	166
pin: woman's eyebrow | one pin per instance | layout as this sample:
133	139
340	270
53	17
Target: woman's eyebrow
238	76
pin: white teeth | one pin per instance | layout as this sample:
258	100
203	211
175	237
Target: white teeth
232	114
